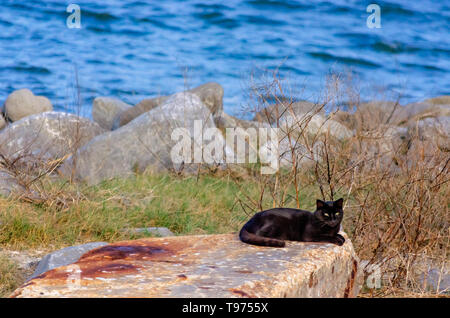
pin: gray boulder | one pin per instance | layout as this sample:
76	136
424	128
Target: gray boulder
439	100
46	136
124	117
302	116
223	121
8	184
11	185
434	129
381	148
369	116
417	111
288	152
22	103
105	110
436	280
314	124
64	257
320	124
211	94
271	113
429	142
144	143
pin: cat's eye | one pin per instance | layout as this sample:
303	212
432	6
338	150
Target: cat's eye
326	214
337	213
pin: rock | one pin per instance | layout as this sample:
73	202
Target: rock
440	100
320	124
211	94
243	130
22	103
368	116
314	125
432	129
345	118
295	151
2	122
281	110
375	113
384	146
158	231
418	111
64	257
11	187
302	116
129	114
223	121
8	184
145	143
105	110
436	280
46	136
292	149
218	266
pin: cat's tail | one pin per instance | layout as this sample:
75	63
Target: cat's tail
254	239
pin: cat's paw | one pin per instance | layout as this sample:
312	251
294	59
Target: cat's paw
339	239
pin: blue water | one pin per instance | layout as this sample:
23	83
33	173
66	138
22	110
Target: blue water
136	49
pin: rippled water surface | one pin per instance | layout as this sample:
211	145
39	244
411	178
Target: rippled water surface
136	49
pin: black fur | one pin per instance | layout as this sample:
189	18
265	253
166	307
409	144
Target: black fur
272	227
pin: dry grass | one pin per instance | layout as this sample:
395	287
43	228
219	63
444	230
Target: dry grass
10	276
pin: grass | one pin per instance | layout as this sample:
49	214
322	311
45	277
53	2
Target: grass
10	276
186	205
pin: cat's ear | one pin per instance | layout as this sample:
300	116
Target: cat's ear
320	204
339	203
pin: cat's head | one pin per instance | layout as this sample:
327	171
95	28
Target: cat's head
330	212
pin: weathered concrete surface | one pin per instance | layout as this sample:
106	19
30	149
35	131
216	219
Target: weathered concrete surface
203	266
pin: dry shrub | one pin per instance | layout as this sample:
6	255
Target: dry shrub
394	180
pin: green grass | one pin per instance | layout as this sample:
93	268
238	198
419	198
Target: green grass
185	205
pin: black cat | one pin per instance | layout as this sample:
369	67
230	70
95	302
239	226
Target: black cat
272	227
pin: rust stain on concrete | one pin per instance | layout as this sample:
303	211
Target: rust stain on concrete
351	280
312	280
240	293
